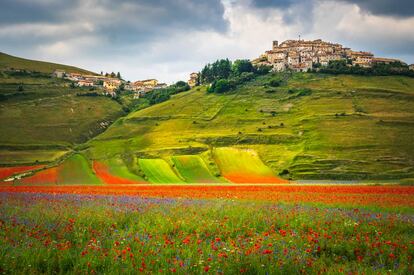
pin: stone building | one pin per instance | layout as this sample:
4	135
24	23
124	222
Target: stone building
302	55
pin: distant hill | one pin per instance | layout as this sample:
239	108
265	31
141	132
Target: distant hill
9	61
313	126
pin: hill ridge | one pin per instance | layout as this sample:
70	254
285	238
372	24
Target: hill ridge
11	61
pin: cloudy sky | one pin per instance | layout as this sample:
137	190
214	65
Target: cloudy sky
168	39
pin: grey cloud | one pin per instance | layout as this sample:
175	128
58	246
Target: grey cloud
273	3
395	8
117	21
294	11
24	11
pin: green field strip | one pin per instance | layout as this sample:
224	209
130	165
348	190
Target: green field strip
237	160
158	171
117	167
76	170
193	169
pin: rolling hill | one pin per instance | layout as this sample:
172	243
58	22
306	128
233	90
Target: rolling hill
312	127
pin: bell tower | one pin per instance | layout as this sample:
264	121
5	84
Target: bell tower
275	44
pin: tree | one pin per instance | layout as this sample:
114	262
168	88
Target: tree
118	75
242	65
220	69
113	75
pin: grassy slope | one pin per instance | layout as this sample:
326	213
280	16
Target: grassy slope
46	119
158	171
193	169
373	139
9	61
77	170
115	170
243	166
73	171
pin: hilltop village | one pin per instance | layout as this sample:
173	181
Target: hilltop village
302	56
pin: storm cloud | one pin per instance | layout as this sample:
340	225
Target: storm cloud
168	39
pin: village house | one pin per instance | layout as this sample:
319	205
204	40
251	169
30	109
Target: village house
160	86
140	93
377	60
150	83
193	81
111	84
74	76
85	83
142	87
58	73
363	59
411	67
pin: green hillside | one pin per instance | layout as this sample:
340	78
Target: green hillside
42	118
13	62
311	127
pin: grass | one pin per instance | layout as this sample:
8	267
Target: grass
158	171
49	233
193	169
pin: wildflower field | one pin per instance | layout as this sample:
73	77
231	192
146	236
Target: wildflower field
215	229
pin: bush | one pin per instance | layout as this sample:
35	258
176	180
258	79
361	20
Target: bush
275	83
344	67
263	69
161	95
88	94
222	86
305	92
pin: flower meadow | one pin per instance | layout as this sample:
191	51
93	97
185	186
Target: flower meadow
126	234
